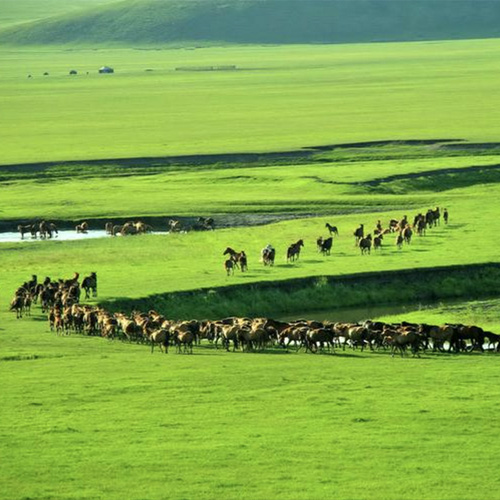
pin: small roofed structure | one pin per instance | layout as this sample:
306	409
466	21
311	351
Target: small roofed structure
73	72
106	69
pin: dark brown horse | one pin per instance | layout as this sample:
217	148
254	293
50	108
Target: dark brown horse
293	251
359	233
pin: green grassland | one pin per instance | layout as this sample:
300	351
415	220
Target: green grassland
87	418
91	419
327	186
282	98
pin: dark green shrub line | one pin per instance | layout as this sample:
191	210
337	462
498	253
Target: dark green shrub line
323	292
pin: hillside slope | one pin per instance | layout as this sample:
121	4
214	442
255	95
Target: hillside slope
22	11
265	21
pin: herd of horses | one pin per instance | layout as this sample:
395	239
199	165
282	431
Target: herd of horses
44	229
60	301
52	293
402	228
47	230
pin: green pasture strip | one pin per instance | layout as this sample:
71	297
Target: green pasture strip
327	293
281	98
319	188
87	418
472	312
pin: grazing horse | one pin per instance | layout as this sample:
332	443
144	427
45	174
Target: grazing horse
293	251
267	255
365	244
332	229
326	245
359	234
239	258
90	283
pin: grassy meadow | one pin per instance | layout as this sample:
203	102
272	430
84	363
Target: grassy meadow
281	98
87	418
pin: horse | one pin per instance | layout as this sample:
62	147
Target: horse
365	244
326	245
239	258
267	255
82	228
293	251
46	229
399	241
332	229
407	234
28	228
174	226
90	283
359	233
377	241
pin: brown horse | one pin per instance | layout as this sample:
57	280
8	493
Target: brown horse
82	228
293	251
239	258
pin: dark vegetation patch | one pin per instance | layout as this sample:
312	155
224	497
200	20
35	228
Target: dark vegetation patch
330	292
124	167
435	180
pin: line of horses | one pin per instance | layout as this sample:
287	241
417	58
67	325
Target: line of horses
258	334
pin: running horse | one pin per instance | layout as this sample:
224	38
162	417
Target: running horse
293	251
267	255
332	229
239	258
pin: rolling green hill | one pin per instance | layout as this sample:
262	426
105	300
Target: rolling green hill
264	21
22	11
